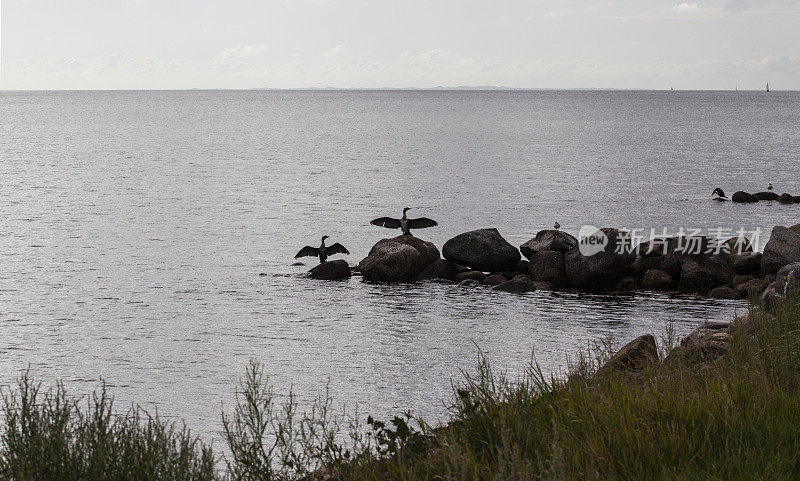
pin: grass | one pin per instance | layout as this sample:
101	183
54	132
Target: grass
687	417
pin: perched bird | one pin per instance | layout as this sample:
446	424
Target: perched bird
322	251
769	187
404	224
556	226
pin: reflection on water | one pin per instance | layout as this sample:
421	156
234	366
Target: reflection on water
134	227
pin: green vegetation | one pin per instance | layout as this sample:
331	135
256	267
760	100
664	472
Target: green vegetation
734	416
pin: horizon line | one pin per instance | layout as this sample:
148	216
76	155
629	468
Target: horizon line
436	88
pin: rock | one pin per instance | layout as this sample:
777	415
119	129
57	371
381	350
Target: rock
785	199
543	286
748	323
724	292
740	279
736	245
474	275
331	271
782	248
522	267
484	250
766	196
719	270
469	283
770	297
708	341
392	262
439	269
626	284
788	279
603	270
510	274
670	264
428	250
743	197
695	279
748	262
548	266
752	288
517	285
549	240
494	280
656	280
634	357
796	199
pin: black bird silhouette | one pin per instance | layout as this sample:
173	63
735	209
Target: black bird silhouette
404	224
322	251
720	193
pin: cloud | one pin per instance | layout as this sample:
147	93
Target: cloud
686	7
339	49
243	51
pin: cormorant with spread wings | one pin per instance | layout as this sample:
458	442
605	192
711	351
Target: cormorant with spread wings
404	224
322	251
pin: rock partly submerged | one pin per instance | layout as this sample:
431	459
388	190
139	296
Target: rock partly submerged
483	250
331	271
399	259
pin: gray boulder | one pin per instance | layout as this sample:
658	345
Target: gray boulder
392	262
788	279
548	266
634	357
656	280
331	271
474	275
549	240
748	262
427	250
743	197
724	292
752	288
483	249
736	245
782	248
695	279
517	285
494	280
766	196
603	270
439	269
719	270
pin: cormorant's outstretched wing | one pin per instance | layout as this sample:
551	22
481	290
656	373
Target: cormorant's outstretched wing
387	222
308	251
337	249
421	223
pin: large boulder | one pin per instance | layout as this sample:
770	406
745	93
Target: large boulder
549	240
428	250
483	249
783	248
494	280
634	357
518	285
474	275
724	292
788	279
785	199
737	245
766	196
331	271
748	262
656	280
796	199
743	197
719	270
439	269
600	271
548	266
392	262
695	279
752	288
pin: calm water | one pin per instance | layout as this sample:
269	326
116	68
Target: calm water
134	227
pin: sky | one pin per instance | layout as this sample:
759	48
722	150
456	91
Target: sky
242	44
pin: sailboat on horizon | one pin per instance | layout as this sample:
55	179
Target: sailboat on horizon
767	86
